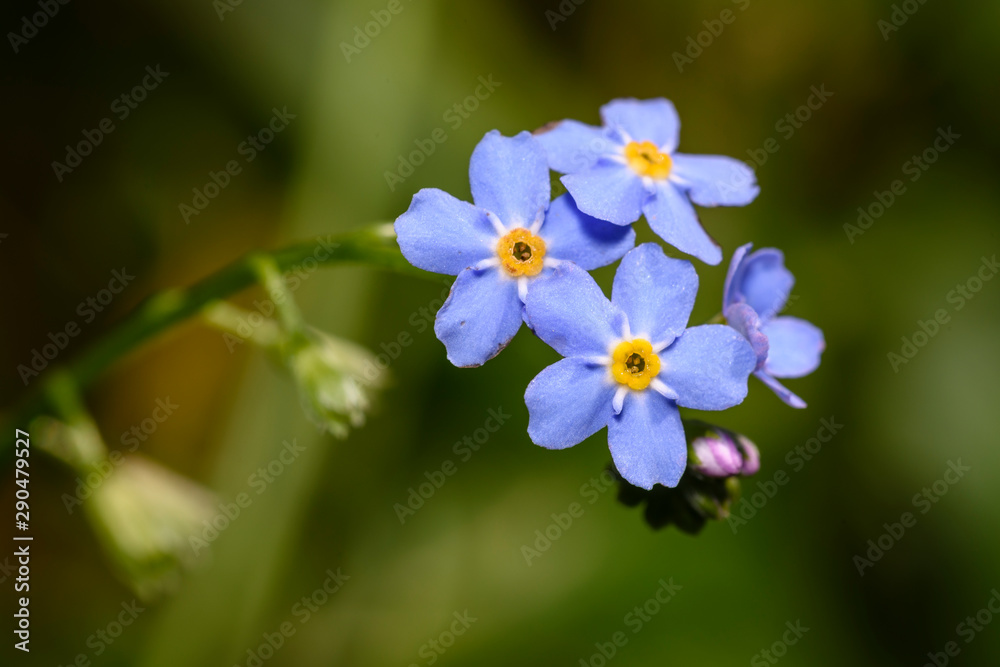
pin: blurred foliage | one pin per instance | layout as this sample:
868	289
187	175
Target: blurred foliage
334	506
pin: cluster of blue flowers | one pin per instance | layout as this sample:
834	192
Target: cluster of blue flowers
632	361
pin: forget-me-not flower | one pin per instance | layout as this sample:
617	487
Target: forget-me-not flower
496	247
630	363
629	168
756	290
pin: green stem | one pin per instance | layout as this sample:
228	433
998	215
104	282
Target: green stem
371	246
271	279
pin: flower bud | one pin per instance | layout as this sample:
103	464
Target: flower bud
707	490
334	378
719	452
144	516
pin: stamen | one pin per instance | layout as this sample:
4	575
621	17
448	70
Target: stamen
521	253
634	364
646	159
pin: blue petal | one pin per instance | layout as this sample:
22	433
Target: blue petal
510	178
590	243
569	311
708	367
672	217
744	319
572	146
796	346
780	390
764	282
568	402
716	180
445	235
731	290
608	191
653	120
480	316
655	292
647	441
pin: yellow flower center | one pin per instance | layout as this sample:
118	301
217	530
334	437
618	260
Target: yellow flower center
634	363
521	253
647	160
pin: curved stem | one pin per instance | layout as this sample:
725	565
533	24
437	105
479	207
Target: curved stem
370	246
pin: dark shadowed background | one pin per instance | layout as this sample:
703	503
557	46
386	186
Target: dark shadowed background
735	70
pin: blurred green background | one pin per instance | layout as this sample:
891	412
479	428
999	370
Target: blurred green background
230	64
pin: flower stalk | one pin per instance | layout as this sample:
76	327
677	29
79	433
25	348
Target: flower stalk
373	246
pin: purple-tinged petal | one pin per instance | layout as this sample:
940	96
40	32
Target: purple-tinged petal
715	180
510	178
442	234
608	191
571	234
708	367
572	146
653	120
744	319
567	310
655	292
568	402
717	455
647	441
796	346
672	217
731	290
751	456
764	282
479	318
780	390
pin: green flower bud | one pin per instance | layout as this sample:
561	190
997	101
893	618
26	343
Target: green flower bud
334	378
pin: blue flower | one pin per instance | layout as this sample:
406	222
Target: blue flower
629	168
496	247
630	363
756	290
